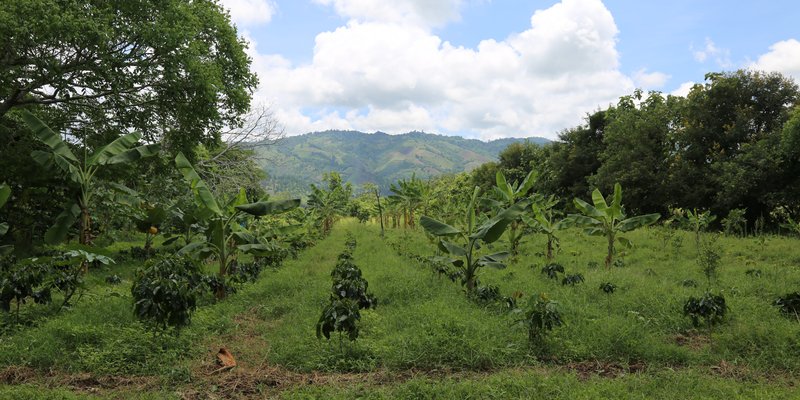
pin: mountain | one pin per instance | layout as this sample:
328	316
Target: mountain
297	161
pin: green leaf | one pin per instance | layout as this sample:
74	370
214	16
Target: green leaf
194	248
453	248
5	194
470	217
637	222
496	257
528	183
3	228
269	207
625	242
491	230
60	229
257	249
134	154
47	136
437	228
202	193
599	201
588	209
117	146
503	186
616	204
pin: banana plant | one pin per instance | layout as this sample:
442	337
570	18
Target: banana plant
508	194
699	221
5	193
82	172
601	219
544	221
464	254
225	235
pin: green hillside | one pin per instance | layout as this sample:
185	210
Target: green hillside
295	162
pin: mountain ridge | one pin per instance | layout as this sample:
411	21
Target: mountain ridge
297	161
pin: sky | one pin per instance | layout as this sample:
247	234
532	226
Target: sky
489	69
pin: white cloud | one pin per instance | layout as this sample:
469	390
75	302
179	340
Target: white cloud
684	89
250	12
381	73
721	56
650	80
783	57
428	13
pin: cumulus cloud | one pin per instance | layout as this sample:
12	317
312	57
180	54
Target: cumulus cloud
385	70
721	56
783	57
427	13
250	12
684	89
650	80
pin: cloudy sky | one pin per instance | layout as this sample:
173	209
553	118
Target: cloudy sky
495	68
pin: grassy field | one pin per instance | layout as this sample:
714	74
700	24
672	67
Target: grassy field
426	339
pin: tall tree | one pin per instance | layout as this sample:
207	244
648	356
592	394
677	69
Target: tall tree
171	69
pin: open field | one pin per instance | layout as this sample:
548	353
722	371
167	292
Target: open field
426	339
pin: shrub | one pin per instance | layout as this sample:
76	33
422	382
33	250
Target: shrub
552	270
710	307
341	315
165	292
789	304
541	316
572	280
20	281
486	294
608	287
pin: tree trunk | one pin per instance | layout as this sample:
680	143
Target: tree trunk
549	248
610	255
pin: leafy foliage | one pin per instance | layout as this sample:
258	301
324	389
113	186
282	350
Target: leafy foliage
464	255
608	287
552	270
166	291
709	307
540	317
789	304
572	280
601	219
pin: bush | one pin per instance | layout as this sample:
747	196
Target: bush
20	281
541	316
789	304
552	270
341	315
165	292
572	280
710	307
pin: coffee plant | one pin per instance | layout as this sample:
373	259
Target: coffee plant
552	270
789	304
572	280
709	307
608	287
541	316
166	291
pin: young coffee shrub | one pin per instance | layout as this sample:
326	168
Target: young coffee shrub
541	316
709	307
165	292
20	281
486	294
552	270
608	287
789	304
572	280
340	315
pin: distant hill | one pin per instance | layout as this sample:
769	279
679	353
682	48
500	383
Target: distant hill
297	161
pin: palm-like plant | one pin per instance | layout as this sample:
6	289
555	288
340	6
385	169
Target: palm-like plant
409	194
81	171
545	221
328	205
464	253
506	195
601	219
225	236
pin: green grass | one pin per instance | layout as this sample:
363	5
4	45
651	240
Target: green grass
425	323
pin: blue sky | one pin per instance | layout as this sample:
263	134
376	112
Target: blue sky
495	68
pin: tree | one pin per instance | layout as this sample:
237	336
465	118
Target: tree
576	156
601	219
637	143
409	194
82	172
5	193
171	69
